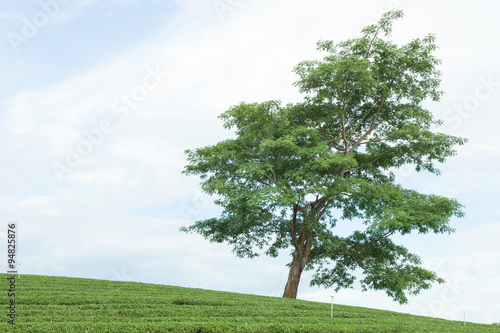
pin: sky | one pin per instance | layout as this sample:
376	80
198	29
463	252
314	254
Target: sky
100	99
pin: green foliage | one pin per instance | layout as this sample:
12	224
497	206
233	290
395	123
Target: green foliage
59	304
295	171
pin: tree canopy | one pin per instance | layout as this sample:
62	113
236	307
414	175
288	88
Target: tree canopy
296	171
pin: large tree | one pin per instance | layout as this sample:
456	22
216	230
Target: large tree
294	172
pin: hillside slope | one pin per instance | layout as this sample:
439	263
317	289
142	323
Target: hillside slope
60	304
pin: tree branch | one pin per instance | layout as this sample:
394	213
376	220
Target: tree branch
360	121
362	166
294	225
322	131
365	244
372	127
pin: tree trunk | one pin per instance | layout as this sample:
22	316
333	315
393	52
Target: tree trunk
298	264
292	284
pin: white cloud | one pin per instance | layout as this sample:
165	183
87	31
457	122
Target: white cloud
124	202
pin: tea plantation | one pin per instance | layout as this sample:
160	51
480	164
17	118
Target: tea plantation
60	304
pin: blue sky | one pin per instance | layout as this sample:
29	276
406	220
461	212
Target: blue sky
99	103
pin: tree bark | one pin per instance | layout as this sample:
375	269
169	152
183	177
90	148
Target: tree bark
299	261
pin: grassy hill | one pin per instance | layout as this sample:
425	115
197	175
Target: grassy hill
59	304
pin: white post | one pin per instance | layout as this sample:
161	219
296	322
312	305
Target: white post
464	319
331	314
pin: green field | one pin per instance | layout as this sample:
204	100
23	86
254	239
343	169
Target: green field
59	304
